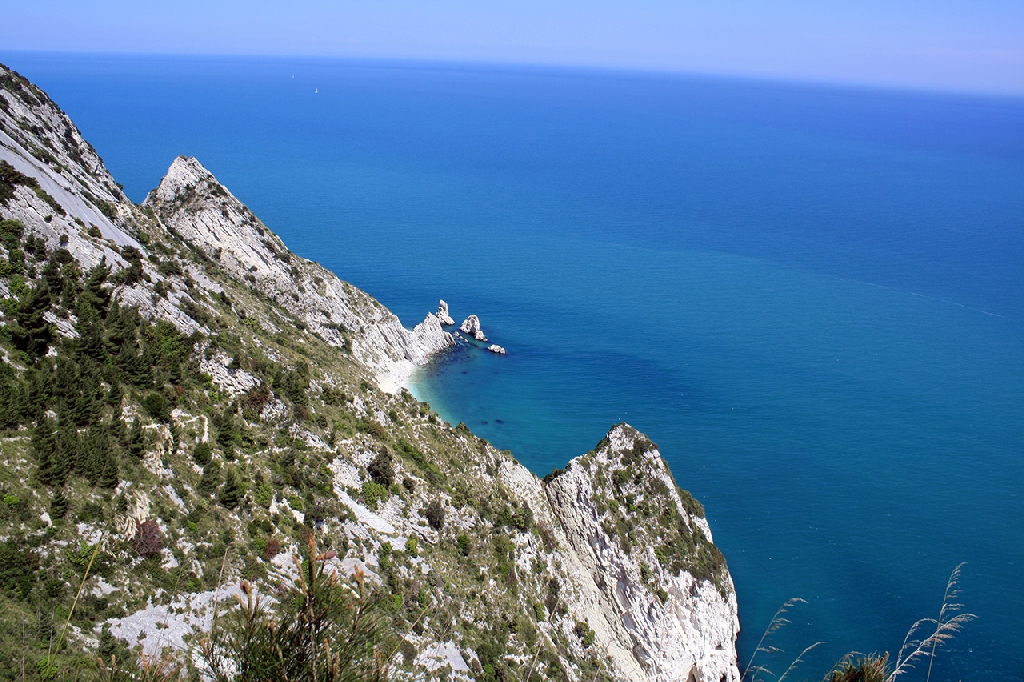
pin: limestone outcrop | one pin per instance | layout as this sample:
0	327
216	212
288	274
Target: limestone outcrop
190	202
471	327
495	348
652	585
443	316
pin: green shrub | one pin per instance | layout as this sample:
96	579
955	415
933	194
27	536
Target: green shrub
263	495
373	493
434	514
202	453
464	544
586	635
382	469
872	668
158	406
50	201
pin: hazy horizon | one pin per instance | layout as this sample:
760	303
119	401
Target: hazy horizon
948	45
539	67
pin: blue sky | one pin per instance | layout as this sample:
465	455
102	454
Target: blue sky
940	44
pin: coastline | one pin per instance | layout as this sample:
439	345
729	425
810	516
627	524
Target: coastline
397	377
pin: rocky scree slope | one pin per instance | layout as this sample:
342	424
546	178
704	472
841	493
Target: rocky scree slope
172	412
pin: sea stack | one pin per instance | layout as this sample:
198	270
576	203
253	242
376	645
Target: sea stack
471	326
495	348
442	315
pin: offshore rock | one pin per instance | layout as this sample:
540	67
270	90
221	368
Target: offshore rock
495	348
443	316
471	326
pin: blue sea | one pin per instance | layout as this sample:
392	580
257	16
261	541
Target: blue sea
811	297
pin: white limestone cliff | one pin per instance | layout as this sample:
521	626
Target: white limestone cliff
687	631
78	206
471	326
443	316
190	202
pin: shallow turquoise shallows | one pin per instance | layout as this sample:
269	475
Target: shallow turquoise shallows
812	298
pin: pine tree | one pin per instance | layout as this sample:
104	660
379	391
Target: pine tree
100	462
66	388
135	441
29	331
38	390
226	431
231	492
51	469
109	473
210	479
133	366
10	397
95	293
58	504
90	333
70	448
88	402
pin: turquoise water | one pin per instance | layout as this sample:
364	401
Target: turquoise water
811	298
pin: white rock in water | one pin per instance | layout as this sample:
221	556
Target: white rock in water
471	326
443	316
495	348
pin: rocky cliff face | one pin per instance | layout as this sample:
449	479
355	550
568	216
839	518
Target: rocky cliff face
190	202
659	593
268	428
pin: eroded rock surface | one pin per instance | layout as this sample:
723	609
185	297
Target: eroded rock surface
443	316
190	202
471	326
659	594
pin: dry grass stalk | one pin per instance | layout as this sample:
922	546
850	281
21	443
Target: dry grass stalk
798	660
163	668
778	622
949	622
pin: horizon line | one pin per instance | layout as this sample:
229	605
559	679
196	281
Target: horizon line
539	66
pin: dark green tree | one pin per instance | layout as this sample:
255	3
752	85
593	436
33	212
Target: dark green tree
51	467
382	468
202	453
231	492
135	441
58	504
210	480
29	331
